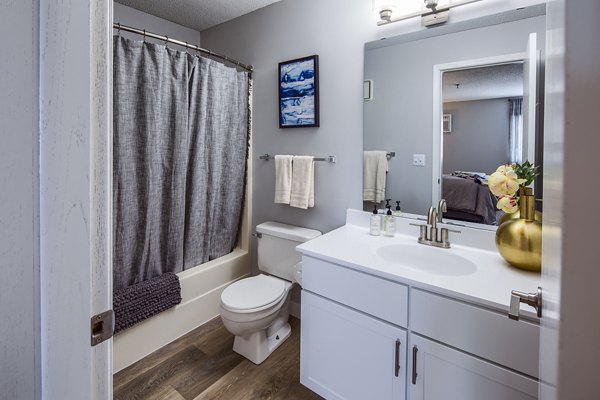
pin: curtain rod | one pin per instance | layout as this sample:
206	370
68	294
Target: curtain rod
187	45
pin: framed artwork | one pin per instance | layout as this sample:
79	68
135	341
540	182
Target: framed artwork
447	123
299	93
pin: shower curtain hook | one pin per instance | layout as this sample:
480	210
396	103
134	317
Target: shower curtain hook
144	38
166	41
119	29
186	45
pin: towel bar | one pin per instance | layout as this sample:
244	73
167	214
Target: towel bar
329	159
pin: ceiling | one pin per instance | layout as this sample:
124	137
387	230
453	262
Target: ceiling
197	14
493	82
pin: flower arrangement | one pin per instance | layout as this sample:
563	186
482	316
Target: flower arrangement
507	180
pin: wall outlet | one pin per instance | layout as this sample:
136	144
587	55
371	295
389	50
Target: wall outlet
419	160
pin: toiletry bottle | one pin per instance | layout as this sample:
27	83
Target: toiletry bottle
389	224
375	223
398	211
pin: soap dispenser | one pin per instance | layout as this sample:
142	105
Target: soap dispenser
389	224
398	211
375	229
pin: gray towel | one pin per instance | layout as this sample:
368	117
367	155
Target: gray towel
143	300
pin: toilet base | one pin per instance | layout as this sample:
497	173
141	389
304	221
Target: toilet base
258	346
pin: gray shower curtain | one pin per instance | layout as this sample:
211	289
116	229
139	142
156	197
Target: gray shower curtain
180	148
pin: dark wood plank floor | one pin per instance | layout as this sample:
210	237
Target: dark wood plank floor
202	365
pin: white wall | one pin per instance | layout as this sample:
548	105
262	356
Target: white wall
141	20
19	197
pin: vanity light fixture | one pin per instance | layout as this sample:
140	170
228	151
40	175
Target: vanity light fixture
435	11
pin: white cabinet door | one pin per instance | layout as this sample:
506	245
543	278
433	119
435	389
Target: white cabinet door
346	354
438	372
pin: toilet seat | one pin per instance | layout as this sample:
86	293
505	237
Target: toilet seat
253	294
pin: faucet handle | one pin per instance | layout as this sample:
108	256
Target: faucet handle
448	227
422	230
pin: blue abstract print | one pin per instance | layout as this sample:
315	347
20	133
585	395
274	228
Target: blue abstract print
297	89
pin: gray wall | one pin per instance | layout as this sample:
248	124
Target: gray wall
479	137
139	19
337	31
399	118
19	197
274	34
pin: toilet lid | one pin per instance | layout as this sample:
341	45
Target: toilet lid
254	292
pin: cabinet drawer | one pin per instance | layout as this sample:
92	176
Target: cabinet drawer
484	333
375	296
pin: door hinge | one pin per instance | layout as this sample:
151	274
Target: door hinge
102	327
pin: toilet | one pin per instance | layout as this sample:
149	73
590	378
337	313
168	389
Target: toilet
255	309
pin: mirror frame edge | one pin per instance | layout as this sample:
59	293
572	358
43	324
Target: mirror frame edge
438	108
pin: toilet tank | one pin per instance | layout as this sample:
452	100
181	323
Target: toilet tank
277	253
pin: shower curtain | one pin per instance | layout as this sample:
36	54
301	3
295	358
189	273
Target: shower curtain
180	150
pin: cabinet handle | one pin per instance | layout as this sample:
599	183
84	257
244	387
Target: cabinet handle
414	366
397	367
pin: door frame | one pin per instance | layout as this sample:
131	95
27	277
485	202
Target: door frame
437	153
75	195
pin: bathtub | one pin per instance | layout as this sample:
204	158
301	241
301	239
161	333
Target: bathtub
201	289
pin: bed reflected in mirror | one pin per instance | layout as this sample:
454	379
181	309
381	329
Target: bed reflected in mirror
482	129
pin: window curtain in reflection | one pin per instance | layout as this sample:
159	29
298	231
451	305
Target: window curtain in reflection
515	131
180	149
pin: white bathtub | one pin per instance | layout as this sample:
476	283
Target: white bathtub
201	289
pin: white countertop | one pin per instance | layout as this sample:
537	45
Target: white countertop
489	284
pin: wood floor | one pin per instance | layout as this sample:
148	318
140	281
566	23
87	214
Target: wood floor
202	365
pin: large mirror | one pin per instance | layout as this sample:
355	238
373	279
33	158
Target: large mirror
446	108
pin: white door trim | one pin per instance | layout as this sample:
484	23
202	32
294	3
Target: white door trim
438	109
75	195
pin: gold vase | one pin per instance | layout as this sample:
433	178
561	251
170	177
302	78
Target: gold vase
519	241
516	215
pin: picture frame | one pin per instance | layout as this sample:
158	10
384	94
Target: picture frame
447	123
298	87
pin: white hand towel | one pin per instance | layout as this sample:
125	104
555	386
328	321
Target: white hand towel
375	167
303	182
283	178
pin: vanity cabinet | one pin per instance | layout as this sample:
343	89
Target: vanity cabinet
440	372
357	341
346	354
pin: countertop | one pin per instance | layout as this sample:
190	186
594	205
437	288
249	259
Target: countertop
488	285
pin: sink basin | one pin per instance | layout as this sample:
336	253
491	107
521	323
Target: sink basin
426	258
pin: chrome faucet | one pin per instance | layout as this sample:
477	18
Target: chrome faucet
432	220
429	232
441	210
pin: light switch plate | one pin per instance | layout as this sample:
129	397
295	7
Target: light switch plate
419	160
